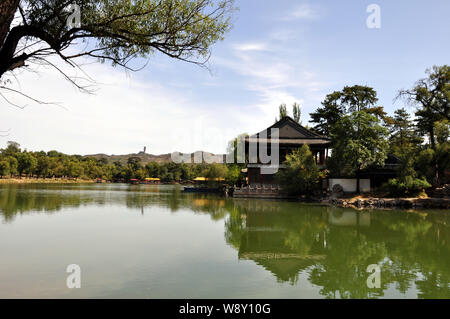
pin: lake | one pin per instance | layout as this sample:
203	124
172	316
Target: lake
156	242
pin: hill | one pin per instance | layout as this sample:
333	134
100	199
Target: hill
145	158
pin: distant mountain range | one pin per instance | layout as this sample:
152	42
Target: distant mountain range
147	158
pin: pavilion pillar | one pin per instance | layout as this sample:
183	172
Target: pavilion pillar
322	157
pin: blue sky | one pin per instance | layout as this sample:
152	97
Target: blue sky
277	52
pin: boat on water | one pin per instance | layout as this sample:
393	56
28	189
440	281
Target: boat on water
134	181
151	181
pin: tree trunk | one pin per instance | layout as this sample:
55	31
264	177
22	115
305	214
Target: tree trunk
432	138
7	10
436	181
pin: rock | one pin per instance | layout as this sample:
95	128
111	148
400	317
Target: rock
442	192
359	203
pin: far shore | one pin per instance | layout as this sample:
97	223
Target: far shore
33	180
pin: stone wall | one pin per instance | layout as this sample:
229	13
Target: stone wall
349	184
441	203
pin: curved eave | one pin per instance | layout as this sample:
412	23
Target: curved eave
312	141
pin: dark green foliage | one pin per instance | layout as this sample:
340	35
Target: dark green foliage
301	175
283	111
359	141
4	168
410	187
403	136
296	112
15	162
339	103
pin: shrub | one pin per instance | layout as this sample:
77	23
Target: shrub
300	175
410	187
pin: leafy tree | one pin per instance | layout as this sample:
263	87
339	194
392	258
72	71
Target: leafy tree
117	31
358	98
4	168
13	165
283	111
359	141
403	136
153	169
234	174
26	163
214	172
296	112
351	118
135	163
12	149
431	96
442	131
140	174
43	166
327	116
301	175
425	124
432	93
73	168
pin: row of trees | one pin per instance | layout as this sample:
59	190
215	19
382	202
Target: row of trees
15	162
363	135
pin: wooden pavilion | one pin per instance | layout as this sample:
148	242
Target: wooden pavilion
291	136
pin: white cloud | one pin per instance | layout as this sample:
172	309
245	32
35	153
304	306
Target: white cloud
251	47
303	11
125	114
275	78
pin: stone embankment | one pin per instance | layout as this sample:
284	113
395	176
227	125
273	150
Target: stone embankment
441	203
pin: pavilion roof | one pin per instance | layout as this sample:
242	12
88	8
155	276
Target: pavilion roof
290	132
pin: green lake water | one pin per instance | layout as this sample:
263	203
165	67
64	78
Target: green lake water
156	242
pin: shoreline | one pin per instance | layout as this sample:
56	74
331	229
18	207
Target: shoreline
27	180
357	202
382	203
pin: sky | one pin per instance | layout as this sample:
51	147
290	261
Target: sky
279	51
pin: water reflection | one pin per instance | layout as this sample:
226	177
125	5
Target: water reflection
332	247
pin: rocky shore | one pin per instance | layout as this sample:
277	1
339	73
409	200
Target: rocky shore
441	203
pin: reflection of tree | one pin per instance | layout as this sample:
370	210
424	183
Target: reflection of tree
18	199
276	236
287	238
418	246
343	271
15	200
332	246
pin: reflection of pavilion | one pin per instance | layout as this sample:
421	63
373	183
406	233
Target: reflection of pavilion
267	248
284	248
287	238
348	218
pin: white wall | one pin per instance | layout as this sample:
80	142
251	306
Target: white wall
349	184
